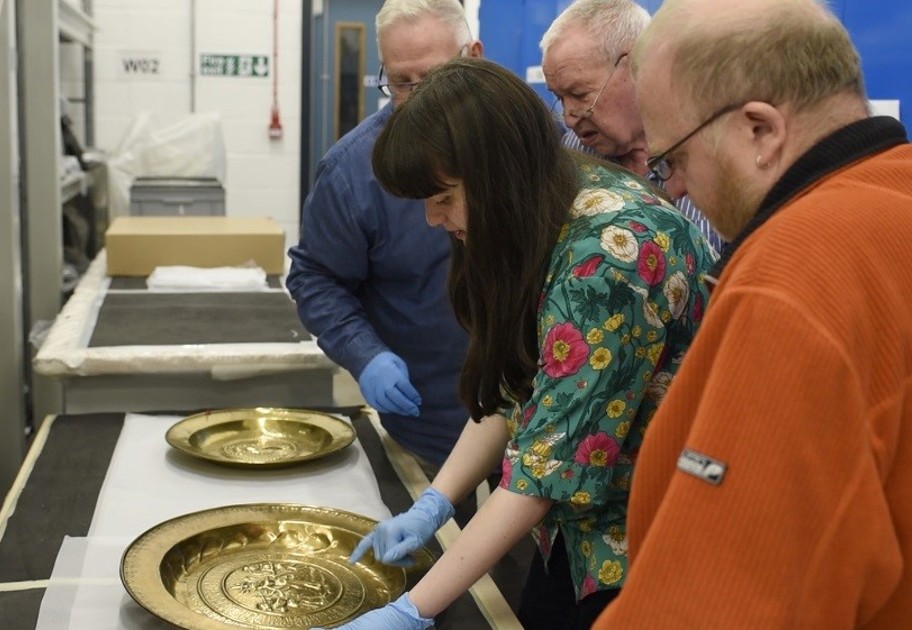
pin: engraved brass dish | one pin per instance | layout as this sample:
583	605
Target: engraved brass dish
259	566
260	437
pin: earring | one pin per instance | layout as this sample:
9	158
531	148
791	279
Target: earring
760	163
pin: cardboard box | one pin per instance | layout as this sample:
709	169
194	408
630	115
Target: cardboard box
137	245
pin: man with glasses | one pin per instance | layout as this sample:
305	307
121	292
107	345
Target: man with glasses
773	486
369	275
585	63
400	90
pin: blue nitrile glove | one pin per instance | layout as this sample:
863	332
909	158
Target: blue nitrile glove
385	385
398	615
395	539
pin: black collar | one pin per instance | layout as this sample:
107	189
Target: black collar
858	140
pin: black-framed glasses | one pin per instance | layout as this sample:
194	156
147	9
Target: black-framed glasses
404	88
587	113
659	165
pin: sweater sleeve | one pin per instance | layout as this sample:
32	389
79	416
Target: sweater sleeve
798	533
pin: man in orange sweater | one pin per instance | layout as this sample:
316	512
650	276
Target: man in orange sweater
774	486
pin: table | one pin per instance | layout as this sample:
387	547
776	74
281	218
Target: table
116	346
56	492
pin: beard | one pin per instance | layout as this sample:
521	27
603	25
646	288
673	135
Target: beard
735	202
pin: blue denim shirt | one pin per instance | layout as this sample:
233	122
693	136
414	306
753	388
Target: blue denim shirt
370	275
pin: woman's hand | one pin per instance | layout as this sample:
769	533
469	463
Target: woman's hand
398	615
396	539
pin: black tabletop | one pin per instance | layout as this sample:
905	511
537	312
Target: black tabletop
163	319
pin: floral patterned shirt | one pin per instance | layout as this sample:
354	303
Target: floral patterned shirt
622	300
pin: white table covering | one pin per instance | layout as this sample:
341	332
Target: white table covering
147	483
85	592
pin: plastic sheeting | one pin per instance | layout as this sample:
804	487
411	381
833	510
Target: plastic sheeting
191	148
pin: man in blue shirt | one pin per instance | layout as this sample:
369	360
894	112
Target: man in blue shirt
586	65
369	276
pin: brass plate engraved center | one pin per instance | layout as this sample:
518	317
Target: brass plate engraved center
260	437
258	566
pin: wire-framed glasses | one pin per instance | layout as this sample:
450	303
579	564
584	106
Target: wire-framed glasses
404	88
587	113
661	167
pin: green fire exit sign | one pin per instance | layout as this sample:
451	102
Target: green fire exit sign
234	65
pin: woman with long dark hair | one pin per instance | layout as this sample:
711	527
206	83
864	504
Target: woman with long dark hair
580	289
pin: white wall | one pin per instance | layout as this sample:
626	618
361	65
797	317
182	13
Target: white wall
262	174
471	10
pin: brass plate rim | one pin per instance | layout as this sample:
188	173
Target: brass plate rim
143	556
179	434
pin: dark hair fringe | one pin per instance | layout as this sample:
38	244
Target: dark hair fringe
474	121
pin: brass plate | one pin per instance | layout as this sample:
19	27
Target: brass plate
260	437
259	566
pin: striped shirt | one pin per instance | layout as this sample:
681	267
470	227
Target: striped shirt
684	205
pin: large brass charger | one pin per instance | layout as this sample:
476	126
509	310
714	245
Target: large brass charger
259	566
260	437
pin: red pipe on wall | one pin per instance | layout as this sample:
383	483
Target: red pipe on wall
275	123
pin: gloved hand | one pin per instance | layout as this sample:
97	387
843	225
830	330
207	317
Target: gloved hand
385	385
395	539
398	615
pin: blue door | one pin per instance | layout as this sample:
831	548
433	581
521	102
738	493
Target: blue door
881	32
344	67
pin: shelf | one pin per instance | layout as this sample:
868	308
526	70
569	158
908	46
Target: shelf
74	185
74	25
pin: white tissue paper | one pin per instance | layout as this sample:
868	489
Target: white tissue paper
181	278
85	591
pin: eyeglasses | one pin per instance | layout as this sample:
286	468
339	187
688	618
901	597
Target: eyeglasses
659	165
587	113
404	88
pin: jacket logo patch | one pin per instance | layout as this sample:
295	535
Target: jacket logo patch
702	466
